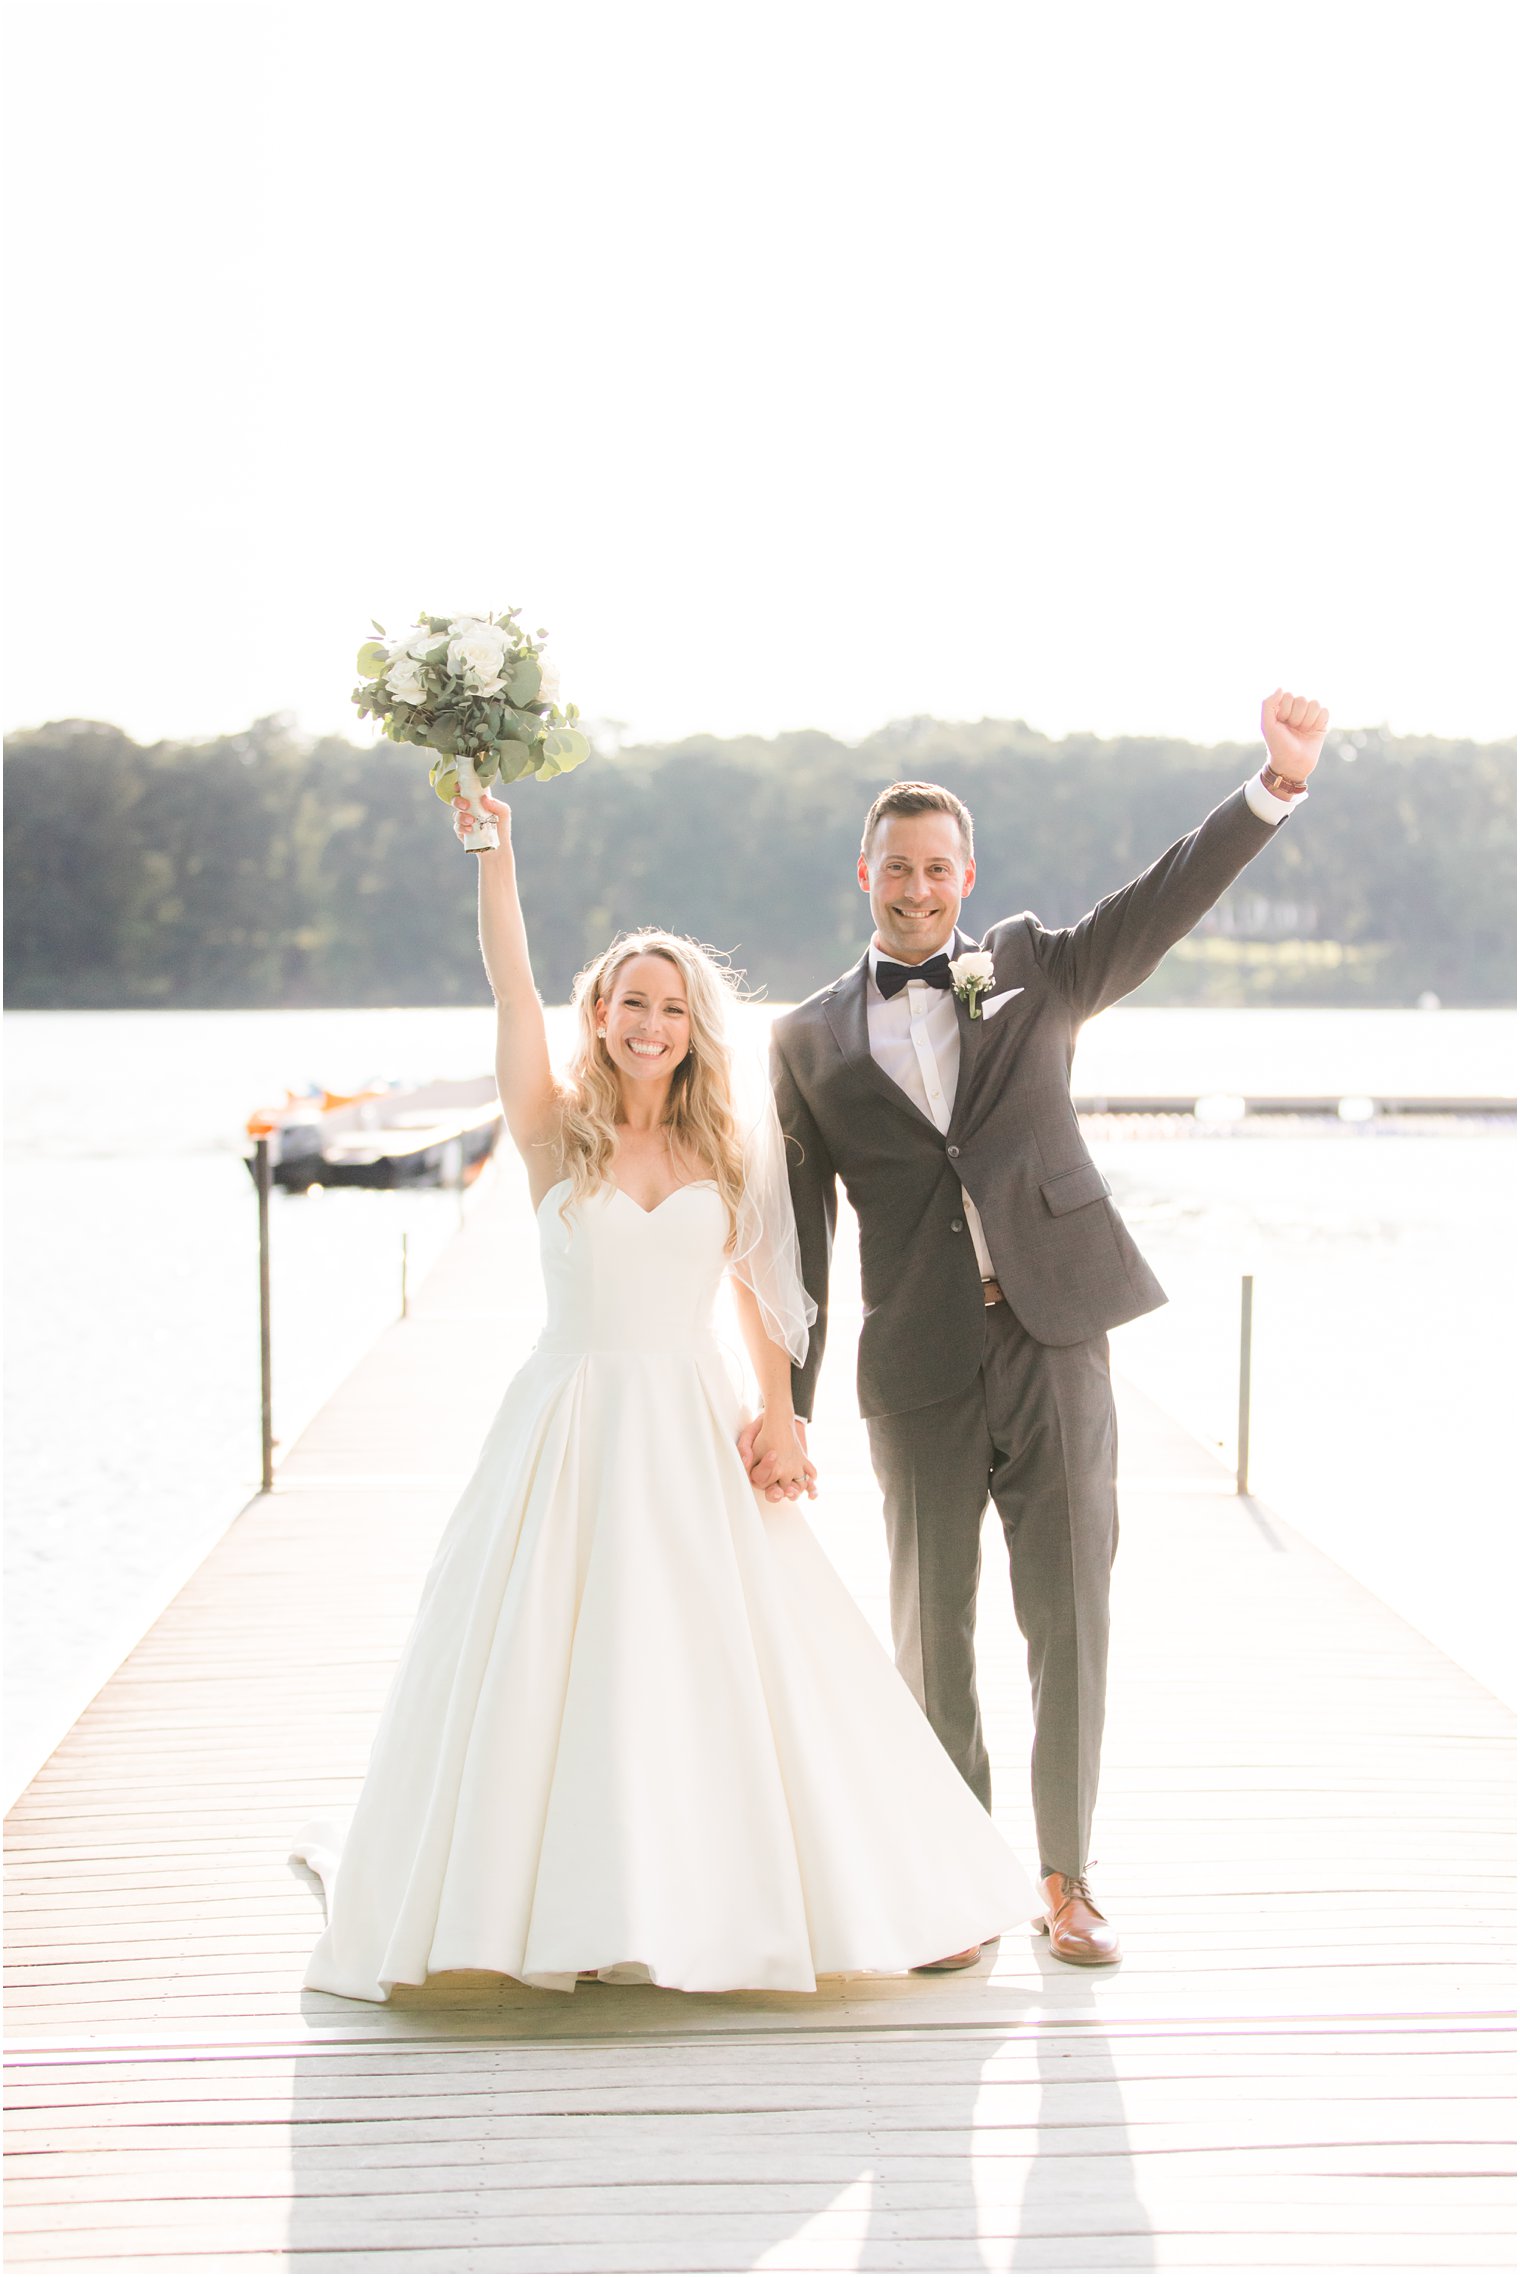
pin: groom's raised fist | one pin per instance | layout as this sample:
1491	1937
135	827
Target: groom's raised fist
1293	729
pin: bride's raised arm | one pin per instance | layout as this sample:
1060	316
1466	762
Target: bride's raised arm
524	1076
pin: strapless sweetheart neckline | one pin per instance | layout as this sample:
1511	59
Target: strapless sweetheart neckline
692	1185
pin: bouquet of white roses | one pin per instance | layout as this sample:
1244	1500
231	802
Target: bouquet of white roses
480	693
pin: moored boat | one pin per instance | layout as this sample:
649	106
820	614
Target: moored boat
394	1134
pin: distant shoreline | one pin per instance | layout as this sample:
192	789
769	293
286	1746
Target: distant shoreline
260	871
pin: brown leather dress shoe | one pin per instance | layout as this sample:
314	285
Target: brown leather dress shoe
966	1960
1077	1931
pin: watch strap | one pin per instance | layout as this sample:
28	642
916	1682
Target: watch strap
1282	786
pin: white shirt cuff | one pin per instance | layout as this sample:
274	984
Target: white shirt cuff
1266	804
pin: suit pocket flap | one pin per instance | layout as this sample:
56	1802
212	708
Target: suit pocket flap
1074	1187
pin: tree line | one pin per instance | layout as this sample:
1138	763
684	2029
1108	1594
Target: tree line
267	868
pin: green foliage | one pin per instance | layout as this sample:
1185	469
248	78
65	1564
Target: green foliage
562	749
515	759
525	681
260	869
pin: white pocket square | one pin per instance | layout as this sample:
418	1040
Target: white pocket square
991	1004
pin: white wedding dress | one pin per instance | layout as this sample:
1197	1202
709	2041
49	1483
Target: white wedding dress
639	1725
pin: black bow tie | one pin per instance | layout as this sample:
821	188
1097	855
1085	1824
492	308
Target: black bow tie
935	970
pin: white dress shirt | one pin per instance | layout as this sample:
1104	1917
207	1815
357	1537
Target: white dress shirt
915	1038
915	1035
1266	805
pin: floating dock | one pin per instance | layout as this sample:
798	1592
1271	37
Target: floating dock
1303	1837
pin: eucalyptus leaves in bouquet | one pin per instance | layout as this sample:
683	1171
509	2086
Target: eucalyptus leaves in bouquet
480	693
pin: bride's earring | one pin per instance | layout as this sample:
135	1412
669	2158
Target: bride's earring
601	1031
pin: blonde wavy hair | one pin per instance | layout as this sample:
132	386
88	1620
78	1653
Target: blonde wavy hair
699	1112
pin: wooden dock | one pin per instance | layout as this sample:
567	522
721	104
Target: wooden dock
1303	2062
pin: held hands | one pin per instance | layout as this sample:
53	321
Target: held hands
774	1452
1293	728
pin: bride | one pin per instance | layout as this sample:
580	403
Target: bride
639	1729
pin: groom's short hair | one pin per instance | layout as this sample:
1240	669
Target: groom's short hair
917	798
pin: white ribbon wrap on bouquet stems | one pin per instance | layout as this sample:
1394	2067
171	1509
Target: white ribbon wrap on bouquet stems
767	1255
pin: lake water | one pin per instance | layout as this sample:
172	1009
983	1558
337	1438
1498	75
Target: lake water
1385	1360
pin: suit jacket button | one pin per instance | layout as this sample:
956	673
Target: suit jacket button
957	1225
952	1151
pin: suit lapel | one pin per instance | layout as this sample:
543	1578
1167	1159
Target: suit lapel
972	1034
845	1009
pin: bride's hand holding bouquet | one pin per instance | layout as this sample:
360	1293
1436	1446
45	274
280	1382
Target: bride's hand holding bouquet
465	822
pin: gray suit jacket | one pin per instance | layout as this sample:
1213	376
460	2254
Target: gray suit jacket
1061	1251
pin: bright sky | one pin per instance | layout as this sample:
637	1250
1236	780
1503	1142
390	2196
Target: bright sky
1103	365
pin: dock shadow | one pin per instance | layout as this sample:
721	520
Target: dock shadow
1080	2089
1012	2127
474	2123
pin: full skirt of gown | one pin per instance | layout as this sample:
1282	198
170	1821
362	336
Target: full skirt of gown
639	1725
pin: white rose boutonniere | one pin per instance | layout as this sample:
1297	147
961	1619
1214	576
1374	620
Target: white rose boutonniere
971	976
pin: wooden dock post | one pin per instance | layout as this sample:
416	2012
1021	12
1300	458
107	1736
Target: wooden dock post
266	1391
1243	1411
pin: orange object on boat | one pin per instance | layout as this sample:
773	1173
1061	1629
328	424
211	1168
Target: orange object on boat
263	1120
346	1098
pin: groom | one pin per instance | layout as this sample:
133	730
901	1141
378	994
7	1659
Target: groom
992	1263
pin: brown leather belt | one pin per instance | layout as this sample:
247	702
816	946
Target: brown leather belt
992	1294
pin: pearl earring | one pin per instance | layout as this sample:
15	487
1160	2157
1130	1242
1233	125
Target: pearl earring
601	1031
